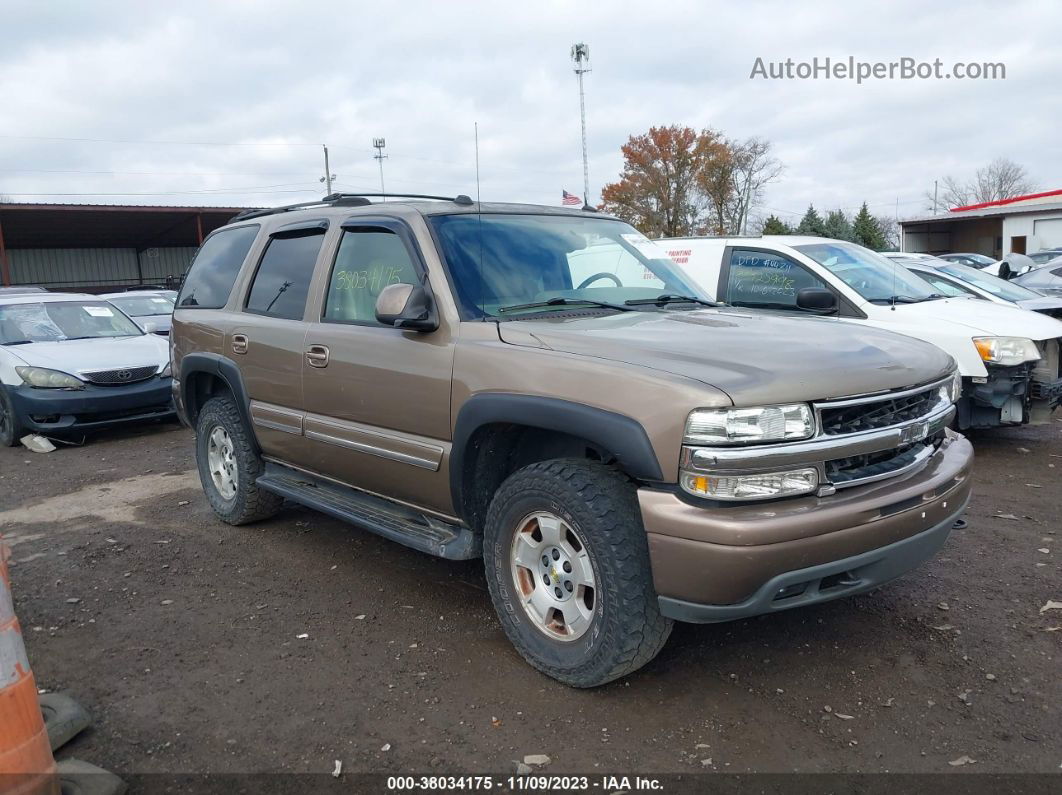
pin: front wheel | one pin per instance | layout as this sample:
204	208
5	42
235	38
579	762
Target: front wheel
568	570
11	429
229	464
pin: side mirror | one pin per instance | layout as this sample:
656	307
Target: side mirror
150	327
816	299
1005	272
407	306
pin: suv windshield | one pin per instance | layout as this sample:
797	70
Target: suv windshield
1000	288
515	262
143	305
871	275
54	321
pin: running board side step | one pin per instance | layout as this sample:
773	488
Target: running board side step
393	521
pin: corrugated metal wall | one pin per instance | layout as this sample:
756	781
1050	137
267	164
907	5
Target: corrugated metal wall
89	267
158	263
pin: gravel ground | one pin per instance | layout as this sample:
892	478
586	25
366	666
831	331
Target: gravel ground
285	645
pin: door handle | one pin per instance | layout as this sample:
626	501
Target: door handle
317	356
239	343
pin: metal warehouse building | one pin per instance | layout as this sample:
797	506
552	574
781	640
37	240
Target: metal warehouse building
1024	224
97	247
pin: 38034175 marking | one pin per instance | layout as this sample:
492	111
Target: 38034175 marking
523	783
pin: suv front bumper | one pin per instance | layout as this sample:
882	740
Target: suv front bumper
734	561
53	411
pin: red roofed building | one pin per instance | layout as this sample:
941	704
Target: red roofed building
1023	224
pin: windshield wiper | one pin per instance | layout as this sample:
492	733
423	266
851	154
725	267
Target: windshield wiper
19	342
661	300
898	299
560	301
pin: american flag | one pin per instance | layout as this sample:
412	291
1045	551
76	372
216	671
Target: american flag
568	198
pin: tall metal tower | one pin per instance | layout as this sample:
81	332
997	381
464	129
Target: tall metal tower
581	59
379	144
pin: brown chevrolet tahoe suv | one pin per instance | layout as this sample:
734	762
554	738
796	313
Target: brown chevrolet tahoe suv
545	389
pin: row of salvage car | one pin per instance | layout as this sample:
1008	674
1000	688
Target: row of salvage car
1006	345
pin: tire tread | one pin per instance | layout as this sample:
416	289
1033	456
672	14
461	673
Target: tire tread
638	631
252	503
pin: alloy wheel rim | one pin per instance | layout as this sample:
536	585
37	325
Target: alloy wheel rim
221	462
554	576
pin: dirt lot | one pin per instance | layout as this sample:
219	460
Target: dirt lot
287	645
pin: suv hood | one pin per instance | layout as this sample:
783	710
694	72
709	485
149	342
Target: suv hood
755	358
85	356
983	318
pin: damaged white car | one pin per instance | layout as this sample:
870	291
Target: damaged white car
73	363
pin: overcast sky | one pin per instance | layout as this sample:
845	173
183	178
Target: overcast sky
228	103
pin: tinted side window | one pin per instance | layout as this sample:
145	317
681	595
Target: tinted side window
762	279
368	260
283	278
215	267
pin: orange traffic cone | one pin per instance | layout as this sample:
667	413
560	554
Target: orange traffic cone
26	763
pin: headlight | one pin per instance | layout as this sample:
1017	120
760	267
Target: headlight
952	390
737	426
1008	351
48	379
167	371
762	486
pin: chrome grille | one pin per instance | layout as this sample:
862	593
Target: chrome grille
123	375
877	466
874	413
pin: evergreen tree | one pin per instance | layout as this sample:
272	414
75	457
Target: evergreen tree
775	226
866	231
838	227
811	224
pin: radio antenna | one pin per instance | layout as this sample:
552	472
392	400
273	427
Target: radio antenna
479	216
476	127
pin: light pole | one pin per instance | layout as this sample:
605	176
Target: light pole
328	176
581	59
379	144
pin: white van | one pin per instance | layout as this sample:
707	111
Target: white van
1008	357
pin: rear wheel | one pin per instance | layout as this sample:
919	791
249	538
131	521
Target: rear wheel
229	465
11	429
567	564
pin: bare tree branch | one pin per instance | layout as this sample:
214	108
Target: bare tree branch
1000	179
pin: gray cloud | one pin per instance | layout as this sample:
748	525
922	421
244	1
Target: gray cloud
281	78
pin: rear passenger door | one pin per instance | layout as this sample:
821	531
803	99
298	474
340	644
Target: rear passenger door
763	280
377	398
267	344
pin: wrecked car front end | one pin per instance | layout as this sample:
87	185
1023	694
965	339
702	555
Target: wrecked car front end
1013	392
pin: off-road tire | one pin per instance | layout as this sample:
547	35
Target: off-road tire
250	503
11	429
600	504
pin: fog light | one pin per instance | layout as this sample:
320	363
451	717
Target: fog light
762	486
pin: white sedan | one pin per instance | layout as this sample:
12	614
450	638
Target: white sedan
73	363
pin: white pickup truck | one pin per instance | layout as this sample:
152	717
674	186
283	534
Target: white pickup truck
1009	357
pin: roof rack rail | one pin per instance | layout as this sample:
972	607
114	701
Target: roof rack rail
459	199
347	200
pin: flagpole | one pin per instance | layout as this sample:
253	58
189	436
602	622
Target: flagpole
581	56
